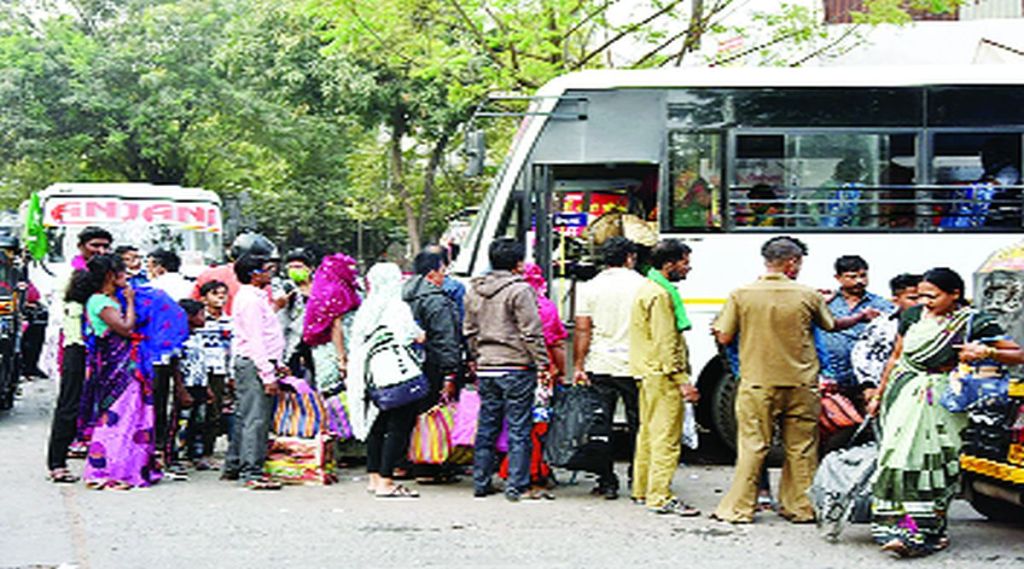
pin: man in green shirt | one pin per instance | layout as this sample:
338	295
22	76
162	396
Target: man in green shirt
658	356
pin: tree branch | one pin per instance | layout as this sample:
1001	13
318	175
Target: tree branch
625	32
842	37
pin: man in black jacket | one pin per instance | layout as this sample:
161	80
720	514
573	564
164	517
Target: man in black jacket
438	315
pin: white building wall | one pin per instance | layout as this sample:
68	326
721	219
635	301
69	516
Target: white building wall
979	9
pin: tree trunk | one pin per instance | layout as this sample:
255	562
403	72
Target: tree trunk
430	180
398	185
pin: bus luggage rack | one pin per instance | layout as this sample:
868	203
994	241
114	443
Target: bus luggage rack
975	207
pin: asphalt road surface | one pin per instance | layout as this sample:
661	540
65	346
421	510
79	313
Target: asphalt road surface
207	523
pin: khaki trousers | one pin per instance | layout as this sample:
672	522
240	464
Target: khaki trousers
757	409
657	440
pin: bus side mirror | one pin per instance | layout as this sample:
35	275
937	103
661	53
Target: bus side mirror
475	149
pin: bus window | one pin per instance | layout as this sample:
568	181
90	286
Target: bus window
695	179
818	180
985	170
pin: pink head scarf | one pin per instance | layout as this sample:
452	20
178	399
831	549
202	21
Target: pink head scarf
554	330
333	295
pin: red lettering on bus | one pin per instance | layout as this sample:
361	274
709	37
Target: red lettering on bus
101	210
192	215
162	211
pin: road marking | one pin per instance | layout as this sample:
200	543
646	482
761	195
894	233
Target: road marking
76	527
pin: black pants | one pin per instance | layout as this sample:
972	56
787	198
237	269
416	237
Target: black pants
388	440
611	389
31	346
65	416
161	390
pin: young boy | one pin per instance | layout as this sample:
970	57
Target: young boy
193	396
216	334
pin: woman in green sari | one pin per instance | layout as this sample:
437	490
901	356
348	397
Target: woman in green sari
918	463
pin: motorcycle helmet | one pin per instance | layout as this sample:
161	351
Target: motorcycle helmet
255	244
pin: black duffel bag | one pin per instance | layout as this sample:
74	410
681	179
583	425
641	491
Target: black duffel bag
580	434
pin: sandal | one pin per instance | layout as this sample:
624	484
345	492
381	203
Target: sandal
96	484
398	491
119	485
62	476
262	484
897	547
765	503
538	494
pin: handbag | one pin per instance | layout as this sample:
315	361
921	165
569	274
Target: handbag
393	373
838	413
431	440
579	436
299	410
970	388
467	412
337	417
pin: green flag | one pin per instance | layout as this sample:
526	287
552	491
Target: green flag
35	234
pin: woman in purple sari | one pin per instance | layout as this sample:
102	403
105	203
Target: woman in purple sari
118	398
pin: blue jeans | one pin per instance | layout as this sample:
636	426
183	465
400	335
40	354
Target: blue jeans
509	396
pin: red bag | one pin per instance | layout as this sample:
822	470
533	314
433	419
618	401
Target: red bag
838	413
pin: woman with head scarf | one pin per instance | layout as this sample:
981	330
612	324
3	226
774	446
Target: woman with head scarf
333	299
386	432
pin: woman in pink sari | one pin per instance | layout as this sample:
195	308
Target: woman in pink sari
118	397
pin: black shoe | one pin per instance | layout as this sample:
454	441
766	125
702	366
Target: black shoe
610	493
484	492
513	495
229	475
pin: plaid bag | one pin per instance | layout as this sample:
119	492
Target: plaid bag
299	410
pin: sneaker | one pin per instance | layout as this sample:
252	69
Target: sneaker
177	472
677	507
513	495
484	492
229	475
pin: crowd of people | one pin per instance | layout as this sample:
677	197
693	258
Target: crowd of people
154	368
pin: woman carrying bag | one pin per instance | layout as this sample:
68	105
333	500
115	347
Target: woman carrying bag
385	382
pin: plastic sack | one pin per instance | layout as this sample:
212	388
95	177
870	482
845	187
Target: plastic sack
579	437
690	438
431	440
467	412
842	487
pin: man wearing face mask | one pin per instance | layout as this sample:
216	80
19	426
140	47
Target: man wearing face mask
290	298
773	318
659	358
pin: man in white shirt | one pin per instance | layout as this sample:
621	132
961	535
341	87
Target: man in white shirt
601	347
162	267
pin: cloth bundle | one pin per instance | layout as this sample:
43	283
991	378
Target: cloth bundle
299	411
294	460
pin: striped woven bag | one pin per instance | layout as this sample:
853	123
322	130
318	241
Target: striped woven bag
431	441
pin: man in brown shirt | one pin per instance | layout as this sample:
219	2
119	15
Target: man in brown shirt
773	318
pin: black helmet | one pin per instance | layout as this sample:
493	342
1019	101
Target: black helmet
8	241
254	243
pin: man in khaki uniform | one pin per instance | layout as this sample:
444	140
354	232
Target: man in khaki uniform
773	317
657	355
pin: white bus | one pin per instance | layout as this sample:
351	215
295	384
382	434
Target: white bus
911	168
185	220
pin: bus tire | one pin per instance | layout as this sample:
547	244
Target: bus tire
992	508
720	412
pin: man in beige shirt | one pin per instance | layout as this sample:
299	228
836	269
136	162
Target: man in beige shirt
657	355
773	317
601	345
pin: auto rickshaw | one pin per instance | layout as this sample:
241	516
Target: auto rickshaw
10	320
992	458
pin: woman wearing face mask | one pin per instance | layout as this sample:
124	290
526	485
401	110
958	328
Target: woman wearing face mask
291	312
918	464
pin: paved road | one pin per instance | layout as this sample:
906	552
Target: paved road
207	523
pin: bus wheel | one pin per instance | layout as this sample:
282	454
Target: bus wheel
993	508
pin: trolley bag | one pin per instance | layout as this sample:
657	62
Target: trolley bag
579	437
841	490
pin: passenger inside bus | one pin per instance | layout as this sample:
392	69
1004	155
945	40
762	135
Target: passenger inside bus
993	198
